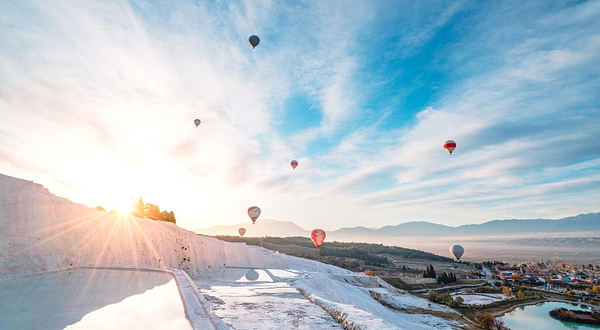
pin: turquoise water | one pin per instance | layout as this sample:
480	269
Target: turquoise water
92	299
536	317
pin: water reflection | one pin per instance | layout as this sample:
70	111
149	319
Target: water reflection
536	317
239	275
92	299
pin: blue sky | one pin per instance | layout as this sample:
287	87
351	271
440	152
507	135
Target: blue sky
98	99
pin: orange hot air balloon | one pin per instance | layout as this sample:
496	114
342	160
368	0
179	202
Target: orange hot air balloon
318	236
254	213
294	163
242	231
449	146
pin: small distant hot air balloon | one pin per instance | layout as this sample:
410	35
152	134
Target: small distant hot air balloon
242	231
457	251
294	163
254	41
197	122
254	213
450	145
318	236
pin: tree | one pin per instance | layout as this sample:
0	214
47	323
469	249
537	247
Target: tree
488	322
459	300
469	291
507	291
596	289
138	209
100	208
446	278
432	296
152	211
520	294
429	272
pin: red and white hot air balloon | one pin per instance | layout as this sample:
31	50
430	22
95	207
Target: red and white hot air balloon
449	146
318	236
242	231
254	213
294	163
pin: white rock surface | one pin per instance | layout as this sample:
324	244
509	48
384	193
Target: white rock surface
41	232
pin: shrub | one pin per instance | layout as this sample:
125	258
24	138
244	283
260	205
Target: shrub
432	296
488	322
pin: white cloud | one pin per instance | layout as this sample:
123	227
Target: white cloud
98	101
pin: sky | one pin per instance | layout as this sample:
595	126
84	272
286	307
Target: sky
98	98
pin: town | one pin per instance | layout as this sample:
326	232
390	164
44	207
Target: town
581	281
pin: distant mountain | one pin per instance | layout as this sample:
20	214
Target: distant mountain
581	223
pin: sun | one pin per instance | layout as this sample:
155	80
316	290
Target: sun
123	207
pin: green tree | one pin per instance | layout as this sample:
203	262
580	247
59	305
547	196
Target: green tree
429	272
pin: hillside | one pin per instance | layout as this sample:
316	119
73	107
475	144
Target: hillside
371	254
41	232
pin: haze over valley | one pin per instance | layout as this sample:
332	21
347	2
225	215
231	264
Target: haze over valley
572	239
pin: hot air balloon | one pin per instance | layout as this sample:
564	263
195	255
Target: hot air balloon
450	145
294	163
242	231
254	41
457	251
254	213
317	236
197	122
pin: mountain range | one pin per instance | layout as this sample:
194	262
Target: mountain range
581	223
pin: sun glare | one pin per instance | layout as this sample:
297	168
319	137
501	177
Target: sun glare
124	207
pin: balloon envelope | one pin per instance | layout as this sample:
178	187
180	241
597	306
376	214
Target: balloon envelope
449	146
457	251
254	213
254	41
318	236
197	122
294	163
242	231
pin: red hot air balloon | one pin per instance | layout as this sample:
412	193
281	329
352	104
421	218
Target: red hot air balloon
318	236
254	213
242	231
294	163
450	145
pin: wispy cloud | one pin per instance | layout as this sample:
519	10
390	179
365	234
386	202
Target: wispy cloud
101	96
